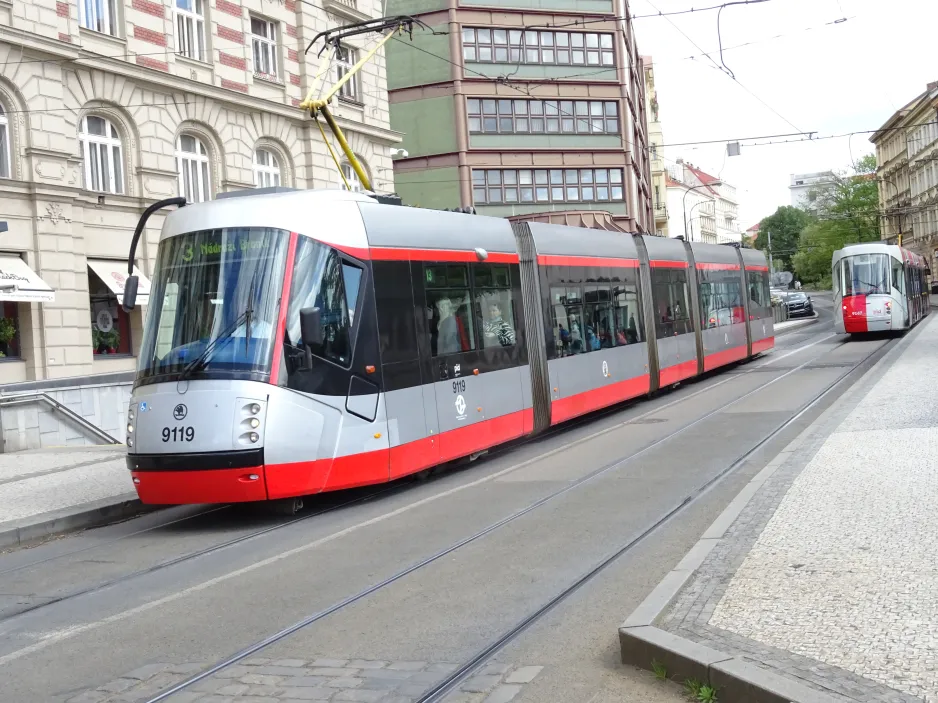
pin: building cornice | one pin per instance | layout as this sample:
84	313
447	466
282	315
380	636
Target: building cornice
167	81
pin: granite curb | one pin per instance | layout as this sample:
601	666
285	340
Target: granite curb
735	677
18	533
795	324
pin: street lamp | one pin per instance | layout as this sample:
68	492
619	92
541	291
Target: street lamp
690	217
684	203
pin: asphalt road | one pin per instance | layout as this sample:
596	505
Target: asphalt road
82	612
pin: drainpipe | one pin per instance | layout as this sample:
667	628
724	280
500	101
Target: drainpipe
462	118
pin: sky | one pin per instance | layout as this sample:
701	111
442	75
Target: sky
817	77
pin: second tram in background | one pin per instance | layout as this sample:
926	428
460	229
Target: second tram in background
877	288
299	342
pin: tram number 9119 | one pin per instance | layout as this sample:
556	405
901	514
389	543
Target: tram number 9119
459	386
178	434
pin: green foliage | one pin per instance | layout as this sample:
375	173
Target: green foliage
785	227
707	694
7	330
847	213
692	687
661	672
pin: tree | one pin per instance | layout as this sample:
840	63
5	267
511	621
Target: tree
785	227
847	213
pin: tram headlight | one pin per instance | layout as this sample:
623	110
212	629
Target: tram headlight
130	428
130	442
255	423
254	436
255	408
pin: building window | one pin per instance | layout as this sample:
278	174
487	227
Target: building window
490	116
345	60
4	145
99	15
192	169
266	169
570	185
101	151
264	41
110	325
518	46
354	184
190	29
9	331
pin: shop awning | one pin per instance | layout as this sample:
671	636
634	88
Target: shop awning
20	283
114	275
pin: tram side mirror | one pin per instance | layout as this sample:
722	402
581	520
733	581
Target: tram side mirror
130	293
311	328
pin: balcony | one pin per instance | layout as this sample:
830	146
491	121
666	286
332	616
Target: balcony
345	8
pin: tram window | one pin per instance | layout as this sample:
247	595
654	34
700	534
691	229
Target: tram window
720	299
866	274
567	310
318	282
394	298
627	310
672	310
600	317
758	295
898	276
352	277
492	290
448	310
165	332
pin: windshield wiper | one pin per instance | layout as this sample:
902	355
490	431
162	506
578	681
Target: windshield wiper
201	360
249	316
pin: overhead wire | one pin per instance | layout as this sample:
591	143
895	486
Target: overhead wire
629	18
726	71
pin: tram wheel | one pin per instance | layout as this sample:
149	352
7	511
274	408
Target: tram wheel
286	506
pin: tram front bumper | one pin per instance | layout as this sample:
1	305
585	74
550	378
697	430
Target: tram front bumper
228	477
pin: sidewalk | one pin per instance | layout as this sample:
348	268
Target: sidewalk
820	581
795	323
49	491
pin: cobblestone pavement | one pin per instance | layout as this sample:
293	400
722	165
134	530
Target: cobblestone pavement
262	680
830	574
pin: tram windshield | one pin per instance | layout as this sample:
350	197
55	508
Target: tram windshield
216	298
866	274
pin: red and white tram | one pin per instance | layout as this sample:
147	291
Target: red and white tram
307	341
878	287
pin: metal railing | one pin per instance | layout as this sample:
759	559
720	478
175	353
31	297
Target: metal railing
27	398
781	312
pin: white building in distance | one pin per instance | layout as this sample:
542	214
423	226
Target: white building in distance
701	207
804	185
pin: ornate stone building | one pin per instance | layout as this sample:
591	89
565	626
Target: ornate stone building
106	107
907	175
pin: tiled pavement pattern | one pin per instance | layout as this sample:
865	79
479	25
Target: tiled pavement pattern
830	574
263	680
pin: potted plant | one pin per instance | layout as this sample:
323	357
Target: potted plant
7	334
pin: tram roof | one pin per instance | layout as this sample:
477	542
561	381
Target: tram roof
896	252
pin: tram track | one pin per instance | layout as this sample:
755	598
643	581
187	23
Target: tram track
448	684
473	664
396	487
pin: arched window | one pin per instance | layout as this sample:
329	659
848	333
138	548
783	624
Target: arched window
101	150
354	184
266	169
192	167
4	145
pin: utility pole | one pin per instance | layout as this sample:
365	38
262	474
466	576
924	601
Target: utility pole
771	267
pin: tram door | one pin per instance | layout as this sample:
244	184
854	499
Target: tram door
454	340
472	321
